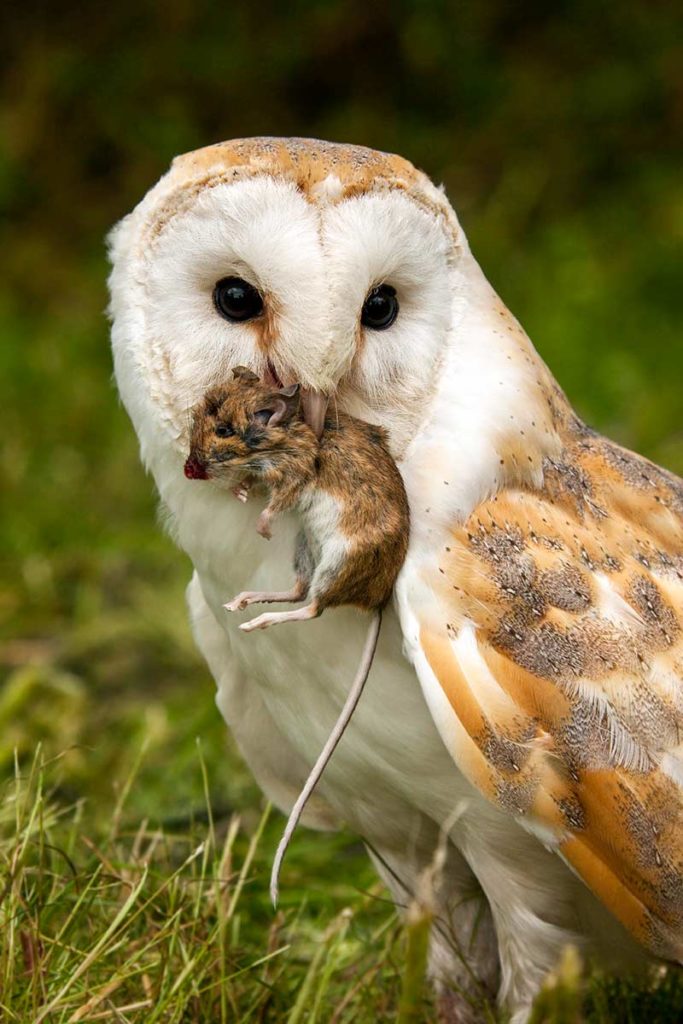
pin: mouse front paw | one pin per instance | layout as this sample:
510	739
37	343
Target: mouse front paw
241	490
263	525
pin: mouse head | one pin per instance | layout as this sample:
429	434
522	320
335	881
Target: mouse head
241	425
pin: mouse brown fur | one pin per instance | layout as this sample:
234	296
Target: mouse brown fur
346	488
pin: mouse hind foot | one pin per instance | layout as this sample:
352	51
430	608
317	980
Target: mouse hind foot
311	611
247	597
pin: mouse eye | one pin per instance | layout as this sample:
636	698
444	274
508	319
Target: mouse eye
223	430
236	299
380	308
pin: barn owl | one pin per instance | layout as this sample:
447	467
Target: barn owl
525	709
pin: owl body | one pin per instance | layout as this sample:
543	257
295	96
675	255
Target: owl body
486	731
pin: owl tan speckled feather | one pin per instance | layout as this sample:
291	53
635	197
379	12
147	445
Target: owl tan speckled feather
560	649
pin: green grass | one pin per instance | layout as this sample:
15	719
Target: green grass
140	922
135	922
135	849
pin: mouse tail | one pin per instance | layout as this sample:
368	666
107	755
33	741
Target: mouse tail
319	767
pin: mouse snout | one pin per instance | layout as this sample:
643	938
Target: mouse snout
195	469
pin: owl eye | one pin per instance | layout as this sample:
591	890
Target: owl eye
236	299
380	309
223	430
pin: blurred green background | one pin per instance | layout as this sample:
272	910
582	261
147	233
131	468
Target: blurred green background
556	129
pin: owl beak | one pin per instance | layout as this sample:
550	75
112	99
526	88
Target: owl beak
314	404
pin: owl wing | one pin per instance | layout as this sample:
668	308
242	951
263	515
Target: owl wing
547	636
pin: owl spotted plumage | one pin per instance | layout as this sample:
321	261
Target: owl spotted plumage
538	613
562	659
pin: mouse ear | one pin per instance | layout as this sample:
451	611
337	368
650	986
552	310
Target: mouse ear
245	374
283	408
289	400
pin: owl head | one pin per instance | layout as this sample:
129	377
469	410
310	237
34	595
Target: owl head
333	266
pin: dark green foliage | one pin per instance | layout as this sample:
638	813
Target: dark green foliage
659	1001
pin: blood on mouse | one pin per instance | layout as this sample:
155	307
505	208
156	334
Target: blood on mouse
195	470
349	496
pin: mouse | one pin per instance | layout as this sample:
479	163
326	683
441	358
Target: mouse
351	501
